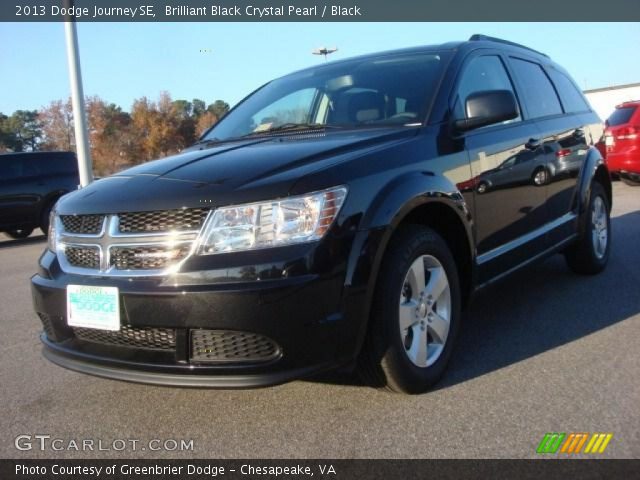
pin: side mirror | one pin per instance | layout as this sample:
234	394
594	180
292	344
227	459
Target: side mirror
486	108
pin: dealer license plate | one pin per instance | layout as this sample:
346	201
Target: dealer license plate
93	307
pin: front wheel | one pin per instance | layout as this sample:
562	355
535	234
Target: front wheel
19	233
415	313
590	254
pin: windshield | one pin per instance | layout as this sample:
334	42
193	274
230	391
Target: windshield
386	90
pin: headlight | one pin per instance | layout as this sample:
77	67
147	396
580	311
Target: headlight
51	233
291	220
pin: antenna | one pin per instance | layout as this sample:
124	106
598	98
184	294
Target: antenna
324	51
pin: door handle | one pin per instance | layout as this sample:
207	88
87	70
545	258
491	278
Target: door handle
533	144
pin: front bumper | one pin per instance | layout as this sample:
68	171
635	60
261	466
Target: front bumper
300	309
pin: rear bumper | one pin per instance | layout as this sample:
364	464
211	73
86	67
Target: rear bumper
628	161
633	176
303	315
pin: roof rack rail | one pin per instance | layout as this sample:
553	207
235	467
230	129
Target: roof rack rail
477	37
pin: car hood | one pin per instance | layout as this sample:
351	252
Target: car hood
228	173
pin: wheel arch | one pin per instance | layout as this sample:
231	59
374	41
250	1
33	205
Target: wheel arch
595	169
434	202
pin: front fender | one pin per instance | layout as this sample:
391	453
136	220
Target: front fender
406	192
388	209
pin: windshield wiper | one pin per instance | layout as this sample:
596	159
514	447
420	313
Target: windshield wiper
299	126
285	127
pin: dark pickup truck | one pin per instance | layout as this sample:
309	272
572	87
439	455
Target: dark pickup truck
30	184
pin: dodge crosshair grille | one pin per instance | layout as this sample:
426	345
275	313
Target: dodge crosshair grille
127	244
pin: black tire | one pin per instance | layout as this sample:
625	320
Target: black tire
582	256
383	362
631	183
19	233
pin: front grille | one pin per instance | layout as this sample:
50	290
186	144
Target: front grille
223	346
128	336
83	257
162	221
147	257
84	224
150	242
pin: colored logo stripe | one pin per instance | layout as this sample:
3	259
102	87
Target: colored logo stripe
573	443
550	442
598	443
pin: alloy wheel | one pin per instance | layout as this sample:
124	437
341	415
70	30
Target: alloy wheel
425	311
599	227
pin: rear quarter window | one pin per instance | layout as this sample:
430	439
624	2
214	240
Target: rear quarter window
540	96
572	99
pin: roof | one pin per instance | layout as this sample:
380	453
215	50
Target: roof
612	87
475	41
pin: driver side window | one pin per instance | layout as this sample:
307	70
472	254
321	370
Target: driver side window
482	74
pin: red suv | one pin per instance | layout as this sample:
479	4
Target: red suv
622	140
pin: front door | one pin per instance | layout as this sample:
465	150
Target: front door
509	205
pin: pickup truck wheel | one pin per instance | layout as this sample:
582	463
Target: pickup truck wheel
589	255
415	314
19	233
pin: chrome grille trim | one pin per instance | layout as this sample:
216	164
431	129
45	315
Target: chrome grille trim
110	237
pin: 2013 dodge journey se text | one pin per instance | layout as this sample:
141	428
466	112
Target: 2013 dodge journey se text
342	215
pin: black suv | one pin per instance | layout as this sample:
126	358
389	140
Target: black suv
341	215
30	184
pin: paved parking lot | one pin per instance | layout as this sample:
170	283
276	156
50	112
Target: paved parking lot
545	351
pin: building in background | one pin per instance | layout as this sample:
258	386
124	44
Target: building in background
604	100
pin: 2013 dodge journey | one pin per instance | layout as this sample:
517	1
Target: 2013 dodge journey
342	215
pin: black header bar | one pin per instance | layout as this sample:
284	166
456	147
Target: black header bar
320	11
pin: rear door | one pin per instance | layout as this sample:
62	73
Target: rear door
563	118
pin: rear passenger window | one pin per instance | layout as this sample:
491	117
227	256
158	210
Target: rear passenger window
539	95
571	97
480	75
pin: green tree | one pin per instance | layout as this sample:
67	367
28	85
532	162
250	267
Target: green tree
4	134
219	108
198	107
22	130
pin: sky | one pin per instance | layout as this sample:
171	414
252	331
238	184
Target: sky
210	61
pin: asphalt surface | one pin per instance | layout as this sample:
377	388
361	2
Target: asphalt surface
545	351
